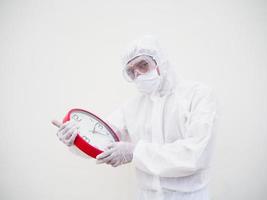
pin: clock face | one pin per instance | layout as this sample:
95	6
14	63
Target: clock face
92	130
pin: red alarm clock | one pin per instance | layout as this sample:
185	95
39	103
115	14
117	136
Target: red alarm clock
93	134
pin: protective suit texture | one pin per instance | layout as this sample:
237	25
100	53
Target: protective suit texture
173	129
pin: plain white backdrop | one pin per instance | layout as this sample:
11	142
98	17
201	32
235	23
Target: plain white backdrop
56	55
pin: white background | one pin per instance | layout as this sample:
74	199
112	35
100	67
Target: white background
56	55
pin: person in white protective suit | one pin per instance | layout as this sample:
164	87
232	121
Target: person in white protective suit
166	131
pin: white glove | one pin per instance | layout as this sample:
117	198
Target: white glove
67	132
117	153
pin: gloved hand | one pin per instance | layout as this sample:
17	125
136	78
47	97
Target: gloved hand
67	132
117	153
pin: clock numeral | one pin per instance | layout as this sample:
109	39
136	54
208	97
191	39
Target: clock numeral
99	126
99	129
76	118
86	139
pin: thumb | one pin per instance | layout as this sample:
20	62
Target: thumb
56	123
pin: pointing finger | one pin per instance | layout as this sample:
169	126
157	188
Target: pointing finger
104	154
56	123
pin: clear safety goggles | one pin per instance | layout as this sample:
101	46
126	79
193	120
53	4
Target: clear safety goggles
141	67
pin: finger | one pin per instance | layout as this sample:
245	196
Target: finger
99	162
67	128
56	123
64	125
112	162
62	133
74	134
67	136
109	162
118	163
72	138
70	134
104	154
105	160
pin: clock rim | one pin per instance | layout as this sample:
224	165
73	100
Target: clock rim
81	143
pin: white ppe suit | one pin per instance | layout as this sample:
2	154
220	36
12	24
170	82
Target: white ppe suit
172	129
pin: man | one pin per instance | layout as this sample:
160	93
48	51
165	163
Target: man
169	128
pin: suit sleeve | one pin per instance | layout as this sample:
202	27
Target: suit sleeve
185	156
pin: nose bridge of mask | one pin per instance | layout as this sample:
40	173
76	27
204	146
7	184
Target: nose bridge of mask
152	74
149	82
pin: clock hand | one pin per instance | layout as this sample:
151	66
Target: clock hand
96	132
101	133
94	129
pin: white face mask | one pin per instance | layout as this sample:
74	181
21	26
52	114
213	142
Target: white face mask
149	82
